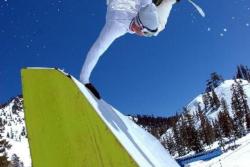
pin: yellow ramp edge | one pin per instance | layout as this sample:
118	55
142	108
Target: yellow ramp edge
63	128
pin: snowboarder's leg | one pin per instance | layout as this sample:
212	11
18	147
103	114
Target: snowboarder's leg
89	64
111	31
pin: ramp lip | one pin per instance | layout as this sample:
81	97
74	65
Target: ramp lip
46	68
137	151
49	83
146	151
38	68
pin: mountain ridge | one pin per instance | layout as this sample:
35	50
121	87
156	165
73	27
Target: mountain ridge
12	118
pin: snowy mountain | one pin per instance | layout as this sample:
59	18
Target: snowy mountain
13	130
13	126
143	147
222	91
203	124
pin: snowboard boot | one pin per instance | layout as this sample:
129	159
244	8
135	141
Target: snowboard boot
93	90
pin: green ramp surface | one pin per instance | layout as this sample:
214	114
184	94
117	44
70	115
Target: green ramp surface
63	128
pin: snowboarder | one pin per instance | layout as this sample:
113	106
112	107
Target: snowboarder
142	17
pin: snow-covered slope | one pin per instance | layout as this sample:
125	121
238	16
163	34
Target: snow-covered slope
222	91
14	131
142	146
233	158
145	149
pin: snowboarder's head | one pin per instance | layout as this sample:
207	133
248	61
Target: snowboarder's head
146	22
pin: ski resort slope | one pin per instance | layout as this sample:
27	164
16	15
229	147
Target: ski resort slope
236	158
143	148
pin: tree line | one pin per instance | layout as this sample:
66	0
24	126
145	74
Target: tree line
193	131
196	132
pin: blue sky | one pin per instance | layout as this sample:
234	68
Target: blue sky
137	75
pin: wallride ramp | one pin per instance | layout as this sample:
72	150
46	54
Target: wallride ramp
68	127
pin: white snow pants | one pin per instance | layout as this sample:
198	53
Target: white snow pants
111	31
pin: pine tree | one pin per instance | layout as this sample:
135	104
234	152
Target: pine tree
248	122
214	81
206	101
248	74
23	133
169	144
4	161
11	133
210	100
243	73
244	105
15	161
8	135
4	145
225	121
215	101
218	133
179	143
1	126
238	108
193	141
239	73
206	129
183	132
243	98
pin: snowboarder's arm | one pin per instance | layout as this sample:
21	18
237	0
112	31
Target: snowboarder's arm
111	31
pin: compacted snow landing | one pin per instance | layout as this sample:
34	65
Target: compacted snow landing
142	146
239	157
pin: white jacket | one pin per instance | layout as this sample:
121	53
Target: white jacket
118	19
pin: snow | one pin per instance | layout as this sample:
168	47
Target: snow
15	125
142	146
222	91
22	150
236	158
